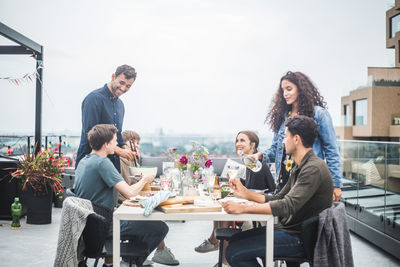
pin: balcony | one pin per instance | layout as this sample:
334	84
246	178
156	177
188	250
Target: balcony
35	245
371	193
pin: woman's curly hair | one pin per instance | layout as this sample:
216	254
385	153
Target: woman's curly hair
308	97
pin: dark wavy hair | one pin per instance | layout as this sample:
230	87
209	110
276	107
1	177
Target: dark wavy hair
308	97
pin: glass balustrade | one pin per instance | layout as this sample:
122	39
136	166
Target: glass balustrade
371	179
371	170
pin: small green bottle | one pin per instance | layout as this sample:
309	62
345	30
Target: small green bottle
16	211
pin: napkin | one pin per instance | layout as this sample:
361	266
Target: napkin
151	203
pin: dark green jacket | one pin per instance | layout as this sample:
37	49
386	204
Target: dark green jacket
308	191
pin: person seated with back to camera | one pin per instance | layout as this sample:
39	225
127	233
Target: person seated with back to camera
95	178
247	142
308	192
163	254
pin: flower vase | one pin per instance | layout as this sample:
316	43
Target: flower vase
187	183
181	182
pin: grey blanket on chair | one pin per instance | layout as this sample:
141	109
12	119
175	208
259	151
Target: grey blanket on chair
333	247
73	220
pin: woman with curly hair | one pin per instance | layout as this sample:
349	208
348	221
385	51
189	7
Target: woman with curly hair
297	95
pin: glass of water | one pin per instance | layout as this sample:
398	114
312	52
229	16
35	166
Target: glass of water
210	183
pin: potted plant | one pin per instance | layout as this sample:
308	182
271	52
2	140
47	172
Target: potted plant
40	176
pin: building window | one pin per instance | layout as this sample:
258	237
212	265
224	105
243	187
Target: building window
396	119
394	25
360	115
347	117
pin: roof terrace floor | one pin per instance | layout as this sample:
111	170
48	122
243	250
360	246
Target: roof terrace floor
35	245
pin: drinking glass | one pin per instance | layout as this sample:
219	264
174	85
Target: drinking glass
166	182
176	179
210	183
233	171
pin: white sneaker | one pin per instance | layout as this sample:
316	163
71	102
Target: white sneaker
165	256
206	246
147	263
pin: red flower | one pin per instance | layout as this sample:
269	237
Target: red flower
208	163
183	160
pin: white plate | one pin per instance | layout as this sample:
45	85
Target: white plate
203	202
234	199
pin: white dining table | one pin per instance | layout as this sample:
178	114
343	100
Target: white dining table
136	213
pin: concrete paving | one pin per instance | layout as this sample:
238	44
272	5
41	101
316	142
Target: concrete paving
35	245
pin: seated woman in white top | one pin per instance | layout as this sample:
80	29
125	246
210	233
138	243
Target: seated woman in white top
247	142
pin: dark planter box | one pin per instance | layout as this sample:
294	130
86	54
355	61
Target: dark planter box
39	206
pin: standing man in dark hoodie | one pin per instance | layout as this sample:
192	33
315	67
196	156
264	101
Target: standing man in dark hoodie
103	106
308	192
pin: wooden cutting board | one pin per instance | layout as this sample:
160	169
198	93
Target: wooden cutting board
181	208
155	187
179	200
130	203
171	201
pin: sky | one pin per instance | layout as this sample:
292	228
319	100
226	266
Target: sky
204	67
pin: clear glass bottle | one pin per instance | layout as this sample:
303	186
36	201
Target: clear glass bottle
254	166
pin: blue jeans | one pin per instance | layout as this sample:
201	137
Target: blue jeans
245	247
150	232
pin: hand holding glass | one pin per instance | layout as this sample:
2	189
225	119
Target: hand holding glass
250	161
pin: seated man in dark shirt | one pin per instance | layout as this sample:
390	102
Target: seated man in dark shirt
308	191
96	176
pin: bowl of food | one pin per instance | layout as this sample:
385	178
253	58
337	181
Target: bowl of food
139	172
225	190
143	171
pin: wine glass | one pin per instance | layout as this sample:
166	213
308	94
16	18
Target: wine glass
233	171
